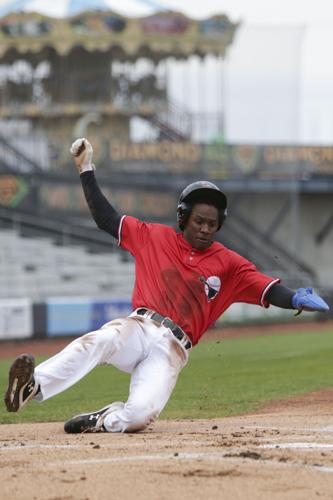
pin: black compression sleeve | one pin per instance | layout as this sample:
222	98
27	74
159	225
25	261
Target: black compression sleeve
104	214
280	296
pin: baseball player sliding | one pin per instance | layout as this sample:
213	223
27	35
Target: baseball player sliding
184	282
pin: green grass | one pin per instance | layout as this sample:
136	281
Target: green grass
223	378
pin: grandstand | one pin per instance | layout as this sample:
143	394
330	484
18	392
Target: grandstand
280	210
38	268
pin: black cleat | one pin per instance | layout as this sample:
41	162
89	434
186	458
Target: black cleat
21	386
88	422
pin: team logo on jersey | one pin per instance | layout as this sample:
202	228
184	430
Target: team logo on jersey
212	286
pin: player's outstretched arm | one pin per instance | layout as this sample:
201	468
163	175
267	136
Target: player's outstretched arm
104	214
303	299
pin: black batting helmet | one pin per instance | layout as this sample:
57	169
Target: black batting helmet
204	192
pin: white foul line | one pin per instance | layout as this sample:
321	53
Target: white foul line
141	458
112	446
41	446
191	456
185	456
299	446
277	445
328	428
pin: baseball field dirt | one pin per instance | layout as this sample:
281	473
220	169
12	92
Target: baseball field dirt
283	451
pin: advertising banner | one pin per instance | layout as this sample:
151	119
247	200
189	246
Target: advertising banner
105	311
68	316
223	161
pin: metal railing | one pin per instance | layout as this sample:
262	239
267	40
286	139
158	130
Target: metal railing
268	255
173	121
13	160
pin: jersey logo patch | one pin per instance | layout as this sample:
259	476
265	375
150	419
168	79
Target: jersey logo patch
212	286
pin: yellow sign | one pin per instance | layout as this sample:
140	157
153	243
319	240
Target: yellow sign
165	152
12	190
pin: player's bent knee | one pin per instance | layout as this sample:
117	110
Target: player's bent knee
130	418
138	417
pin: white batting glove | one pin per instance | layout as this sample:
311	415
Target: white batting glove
82	151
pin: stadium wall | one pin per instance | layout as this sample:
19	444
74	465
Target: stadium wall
301	229
22	318
59	317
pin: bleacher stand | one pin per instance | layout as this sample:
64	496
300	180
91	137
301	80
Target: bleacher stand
37	268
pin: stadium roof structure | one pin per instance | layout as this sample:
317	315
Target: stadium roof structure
156	35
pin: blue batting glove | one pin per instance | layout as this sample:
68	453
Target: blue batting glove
305	300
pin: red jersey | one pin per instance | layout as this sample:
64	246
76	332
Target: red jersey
192	287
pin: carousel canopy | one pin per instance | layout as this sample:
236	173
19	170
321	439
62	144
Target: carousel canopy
152	33
67	8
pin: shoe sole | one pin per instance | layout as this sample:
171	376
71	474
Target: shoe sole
20	374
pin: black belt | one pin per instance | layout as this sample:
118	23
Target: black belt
168	323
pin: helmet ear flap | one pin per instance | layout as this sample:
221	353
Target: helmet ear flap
222	217
183	213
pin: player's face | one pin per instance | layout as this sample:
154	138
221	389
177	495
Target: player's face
202	226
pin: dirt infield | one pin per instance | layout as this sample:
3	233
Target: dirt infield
284	451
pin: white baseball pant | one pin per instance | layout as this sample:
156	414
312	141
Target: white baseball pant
136	345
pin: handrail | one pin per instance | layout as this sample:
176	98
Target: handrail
267	253
24	164
273	246
173	120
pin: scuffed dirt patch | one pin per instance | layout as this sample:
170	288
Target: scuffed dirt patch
311	403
